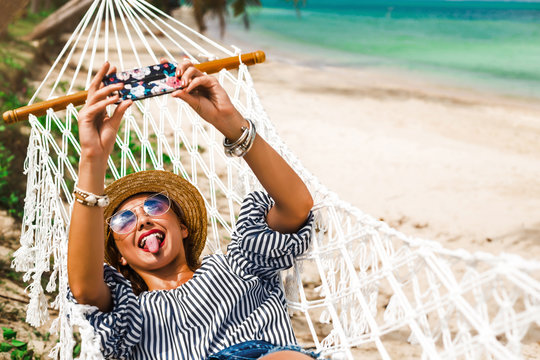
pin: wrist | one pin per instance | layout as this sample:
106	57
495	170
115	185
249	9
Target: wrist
94	163
231	126
92	175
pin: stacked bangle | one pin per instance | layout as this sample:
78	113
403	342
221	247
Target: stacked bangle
89	199
244	143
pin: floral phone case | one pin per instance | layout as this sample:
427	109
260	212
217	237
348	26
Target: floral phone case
145	82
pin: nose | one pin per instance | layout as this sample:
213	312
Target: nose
143	219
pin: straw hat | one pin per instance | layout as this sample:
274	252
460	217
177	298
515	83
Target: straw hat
180	190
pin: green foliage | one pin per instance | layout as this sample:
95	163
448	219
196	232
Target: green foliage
8	333
19	349
63	85
15	59
13	147
77	347
77	350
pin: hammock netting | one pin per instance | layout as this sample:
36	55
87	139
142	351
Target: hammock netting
363	289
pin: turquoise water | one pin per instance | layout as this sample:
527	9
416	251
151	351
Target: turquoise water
492	44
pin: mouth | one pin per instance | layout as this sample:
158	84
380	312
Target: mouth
152	241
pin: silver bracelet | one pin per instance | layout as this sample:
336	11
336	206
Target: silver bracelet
241	139
241	146
88	199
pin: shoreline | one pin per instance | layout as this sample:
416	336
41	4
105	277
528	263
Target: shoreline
293	52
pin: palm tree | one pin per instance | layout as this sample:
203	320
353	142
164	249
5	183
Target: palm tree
219	8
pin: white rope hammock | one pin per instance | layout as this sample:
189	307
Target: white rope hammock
363	288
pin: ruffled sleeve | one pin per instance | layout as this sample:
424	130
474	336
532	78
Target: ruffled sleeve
259	250
121	328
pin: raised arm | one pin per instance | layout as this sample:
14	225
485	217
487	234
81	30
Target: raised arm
292	198
97	133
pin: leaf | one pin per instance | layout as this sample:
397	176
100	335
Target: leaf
8	333
28	355
5	347
17	354
21	345
76	350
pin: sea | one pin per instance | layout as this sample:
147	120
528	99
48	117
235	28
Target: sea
484	44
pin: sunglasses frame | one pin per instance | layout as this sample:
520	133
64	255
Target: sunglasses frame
164	193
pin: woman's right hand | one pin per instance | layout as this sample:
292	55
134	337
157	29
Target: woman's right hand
97	130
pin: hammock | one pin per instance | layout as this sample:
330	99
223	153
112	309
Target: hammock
362	289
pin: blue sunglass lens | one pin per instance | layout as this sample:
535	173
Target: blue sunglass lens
123	222
157	205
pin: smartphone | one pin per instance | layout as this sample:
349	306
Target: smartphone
145	82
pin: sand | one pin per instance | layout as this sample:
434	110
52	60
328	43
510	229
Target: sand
442	163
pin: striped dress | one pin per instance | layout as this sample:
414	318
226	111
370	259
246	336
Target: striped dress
231	298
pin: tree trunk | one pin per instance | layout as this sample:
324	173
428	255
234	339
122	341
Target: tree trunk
63	19
10	9
34	6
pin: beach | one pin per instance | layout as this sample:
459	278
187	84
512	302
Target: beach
441	163
436	160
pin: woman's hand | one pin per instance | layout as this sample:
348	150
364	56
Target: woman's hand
97	130
206	96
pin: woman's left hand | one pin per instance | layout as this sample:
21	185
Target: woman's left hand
206	96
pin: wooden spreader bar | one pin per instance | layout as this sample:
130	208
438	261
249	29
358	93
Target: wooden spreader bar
79	98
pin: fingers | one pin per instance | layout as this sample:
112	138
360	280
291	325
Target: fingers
185	70
163	60
96	81
103	93
188	76
205	82
111	126
191	100
119	113
111	70
100	106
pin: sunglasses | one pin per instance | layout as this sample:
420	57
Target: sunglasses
124	221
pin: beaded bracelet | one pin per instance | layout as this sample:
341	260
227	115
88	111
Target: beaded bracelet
89	199
240	147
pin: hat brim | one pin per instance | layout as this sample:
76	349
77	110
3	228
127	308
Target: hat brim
179	189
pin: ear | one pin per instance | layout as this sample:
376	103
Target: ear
122	261
184	231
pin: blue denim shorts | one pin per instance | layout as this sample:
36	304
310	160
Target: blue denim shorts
255	349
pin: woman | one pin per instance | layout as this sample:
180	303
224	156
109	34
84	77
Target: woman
230	306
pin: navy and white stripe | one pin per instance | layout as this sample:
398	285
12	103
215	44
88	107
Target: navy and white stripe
231	299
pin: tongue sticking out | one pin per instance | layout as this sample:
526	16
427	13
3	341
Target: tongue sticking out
152	243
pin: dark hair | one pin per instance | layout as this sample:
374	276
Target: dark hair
112	254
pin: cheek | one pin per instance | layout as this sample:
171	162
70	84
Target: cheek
121	243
